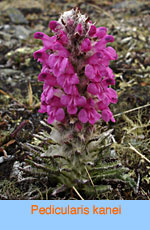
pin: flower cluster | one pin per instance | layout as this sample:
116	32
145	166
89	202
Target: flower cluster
76	71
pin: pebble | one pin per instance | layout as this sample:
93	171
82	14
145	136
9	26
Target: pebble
22	32
125	40
4	36
9	72
16	16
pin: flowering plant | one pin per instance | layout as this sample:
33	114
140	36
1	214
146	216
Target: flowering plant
76	94
76	72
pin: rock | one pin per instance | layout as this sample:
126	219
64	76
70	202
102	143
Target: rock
147	61
5	36
22	32
15	31
10	79
130	4
16	16
5	46
9	28
16	173
3	159
9	72
126	40
22	51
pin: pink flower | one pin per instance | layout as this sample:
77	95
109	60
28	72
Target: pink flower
66	81
95	88
55	111
95	72
72	102
75	71
79	29
47	77
47	41
89	113
100	45
107	115
63	37
53	25
86	45
58	64
101	88
48	93
62	51
101	32
111	95
89	71
92	31
41	56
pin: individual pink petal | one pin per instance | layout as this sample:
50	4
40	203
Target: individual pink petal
82	115
41	56
63	37
70	69
86	45
97	116
68	88
63	65
109	38
105	99
75	90
79	29
58	46
101	105
47	41
62	51
112	53
42	76
60	115
93	116
53	25
55	102
107	115
81	101
51	80
101	32
48	78
43	109
61	80
113	119
50	94
108	81
73	79
50	119
100	45
92	88
92	30
70	22
89	71
65	99
113	95
52	60
39	35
